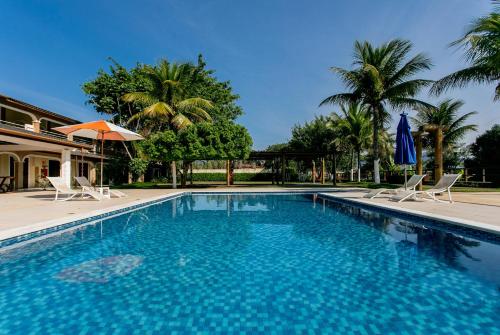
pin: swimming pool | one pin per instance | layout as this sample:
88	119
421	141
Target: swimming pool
254	263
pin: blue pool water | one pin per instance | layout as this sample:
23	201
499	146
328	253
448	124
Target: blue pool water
252	264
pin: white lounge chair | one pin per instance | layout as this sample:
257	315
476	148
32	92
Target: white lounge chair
62	188
85	184
411	184
444	185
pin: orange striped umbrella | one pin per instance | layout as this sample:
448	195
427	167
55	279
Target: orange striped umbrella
100	130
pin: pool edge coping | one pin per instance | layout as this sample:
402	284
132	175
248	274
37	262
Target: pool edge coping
451	220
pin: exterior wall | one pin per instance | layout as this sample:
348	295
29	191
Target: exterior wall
4	165
5	168
91	171
21	113
37	164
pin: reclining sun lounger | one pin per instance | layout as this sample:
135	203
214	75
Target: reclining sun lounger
410	186
85	184
62	188
444	185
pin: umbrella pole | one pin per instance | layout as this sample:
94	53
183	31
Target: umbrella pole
102	156
406	179
81	167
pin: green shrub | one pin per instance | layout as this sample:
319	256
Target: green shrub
217	176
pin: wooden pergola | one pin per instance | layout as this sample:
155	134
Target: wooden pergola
284	156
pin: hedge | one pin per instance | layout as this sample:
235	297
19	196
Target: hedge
217	176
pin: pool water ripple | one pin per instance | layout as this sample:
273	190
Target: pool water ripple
254	264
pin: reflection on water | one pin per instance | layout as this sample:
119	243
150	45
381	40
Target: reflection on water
454	250
287	262
412	239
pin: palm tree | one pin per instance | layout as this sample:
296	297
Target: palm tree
382	78
482	44
445	115
355	124
166	103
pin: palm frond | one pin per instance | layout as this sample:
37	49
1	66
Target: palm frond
181	121
339	99
478	74
195	102
411	103
413	66
407	88
159	109
142	97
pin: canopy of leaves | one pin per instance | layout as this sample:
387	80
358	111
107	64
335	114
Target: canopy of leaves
313	136
482	50
382	76
355	125
445	114
206	85
221	140
105	91
484	149
277	147
168	102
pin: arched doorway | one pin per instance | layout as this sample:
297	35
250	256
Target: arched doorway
9	170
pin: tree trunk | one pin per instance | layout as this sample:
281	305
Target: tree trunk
376	155
334	165
351	177
323	169
438	155
313	172
191	169
174	174
359	166
185	171
231	172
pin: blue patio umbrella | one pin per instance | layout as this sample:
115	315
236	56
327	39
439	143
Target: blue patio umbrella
405	149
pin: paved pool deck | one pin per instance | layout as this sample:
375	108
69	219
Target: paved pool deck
25	212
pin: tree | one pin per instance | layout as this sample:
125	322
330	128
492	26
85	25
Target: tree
166	102
382	78
206	85
355	125
445	115
319	136
314	136
482	45
277	147
106	90
484	148
222	140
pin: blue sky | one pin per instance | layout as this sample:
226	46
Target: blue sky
276	53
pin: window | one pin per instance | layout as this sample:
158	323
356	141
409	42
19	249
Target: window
54	168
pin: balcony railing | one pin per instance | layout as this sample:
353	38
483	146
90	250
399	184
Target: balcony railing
59	136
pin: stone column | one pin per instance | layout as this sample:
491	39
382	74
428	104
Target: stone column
66	167
36	126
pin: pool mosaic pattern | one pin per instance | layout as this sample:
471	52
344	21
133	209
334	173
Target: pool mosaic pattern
252	264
